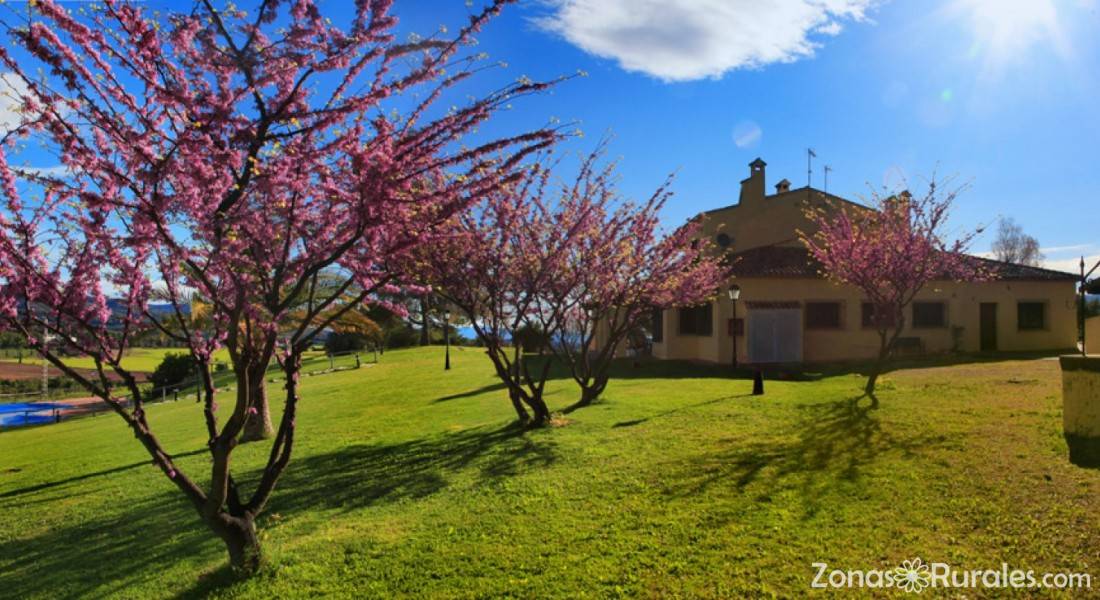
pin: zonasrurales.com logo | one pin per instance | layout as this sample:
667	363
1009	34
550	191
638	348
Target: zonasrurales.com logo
913	576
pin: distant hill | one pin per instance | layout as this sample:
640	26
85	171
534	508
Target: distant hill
159	310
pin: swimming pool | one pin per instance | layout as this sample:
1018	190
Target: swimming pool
28	413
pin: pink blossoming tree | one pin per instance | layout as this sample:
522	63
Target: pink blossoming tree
274	164
486	264
575	262
612	266
890	253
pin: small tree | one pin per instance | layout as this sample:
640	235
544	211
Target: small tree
610	266
890	253
1014	246
175	369
486	265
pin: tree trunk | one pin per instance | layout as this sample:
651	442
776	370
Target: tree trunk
886	342
521	412
542	412
872	378
258	426
425	332
589	394
242	542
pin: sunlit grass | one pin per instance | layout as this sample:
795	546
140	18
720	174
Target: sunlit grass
407	480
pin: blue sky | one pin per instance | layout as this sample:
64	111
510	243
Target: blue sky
1001	94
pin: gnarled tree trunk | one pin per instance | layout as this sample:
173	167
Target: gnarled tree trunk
241	540
540	410
591	392
258	427
521	413
253	377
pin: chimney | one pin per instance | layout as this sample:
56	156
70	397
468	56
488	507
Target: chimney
783	187
752	189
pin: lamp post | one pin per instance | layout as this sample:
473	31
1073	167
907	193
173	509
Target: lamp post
447	339
734	293
1084	291
47	337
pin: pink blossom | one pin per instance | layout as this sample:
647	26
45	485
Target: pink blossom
254	181
890	252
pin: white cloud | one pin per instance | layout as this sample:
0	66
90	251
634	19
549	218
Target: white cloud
1068	258
747	134
53	171
11	89
832	28
683	40
1072	265
1063	258
1070	249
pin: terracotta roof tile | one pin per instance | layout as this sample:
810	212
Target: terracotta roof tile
794	262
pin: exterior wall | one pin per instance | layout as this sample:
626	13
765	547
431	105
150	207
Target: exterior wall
759	220
1092	335
852	341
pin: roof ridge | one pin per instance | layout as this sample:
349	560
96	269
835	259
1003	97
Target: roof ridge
1021	265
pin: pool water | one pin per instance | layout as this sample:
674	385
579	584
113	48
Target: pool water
28	413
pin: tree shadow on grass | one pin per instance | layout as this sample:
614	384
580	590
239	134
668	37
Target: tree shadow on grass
685	408
470	393
370	474
114	550
835	443
108	552
62	483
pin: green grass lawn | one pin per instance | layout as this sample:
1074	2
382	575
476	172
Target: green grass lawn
146	360
139	359
408	481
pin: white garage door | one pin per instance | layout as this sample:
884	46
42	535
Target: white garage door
775	335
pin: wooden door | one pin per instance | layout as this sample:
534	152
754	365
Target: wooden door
988	326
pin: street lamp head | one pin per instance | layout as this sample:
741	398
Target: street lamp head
735	292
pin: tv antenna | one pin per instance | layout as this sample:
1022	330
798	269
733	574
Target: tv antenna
827	169
810	156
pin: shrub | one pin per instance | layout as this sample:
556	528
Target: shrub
530	338
173	370
345	342
402	337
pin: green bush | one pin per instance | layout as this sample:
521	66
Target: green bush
531	338
402	337
173	370
33	386
9	339
346	342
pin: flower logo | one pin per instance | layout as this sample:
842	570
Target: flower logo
913	576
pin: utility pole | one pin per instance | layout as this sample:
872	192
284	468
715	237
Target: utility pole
827	169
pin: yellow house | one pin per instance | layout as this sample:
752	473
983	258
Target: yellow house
788	313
